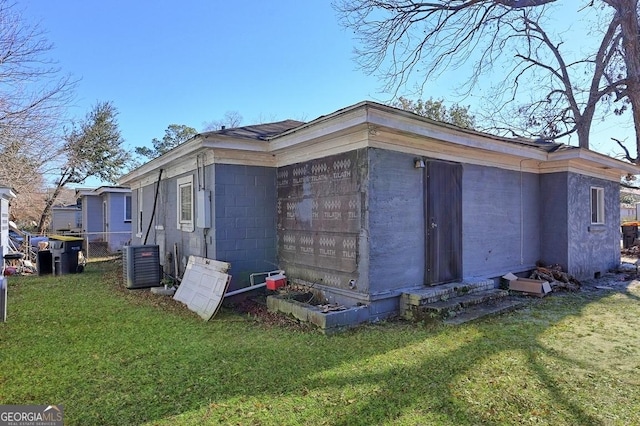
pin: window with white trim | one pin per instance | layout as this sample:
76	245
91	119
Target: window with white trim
185	204
597	205
127	208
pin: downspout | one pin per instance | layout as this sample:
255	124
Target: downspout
427	223
201	176
521	214
153	212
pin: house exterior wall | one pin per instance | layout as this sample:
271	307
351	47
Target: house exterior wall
119	229
320	224
115	203
569	239
65	218
395	208
590	246
92	219
245	220
166	232
142	215
500	221
554	219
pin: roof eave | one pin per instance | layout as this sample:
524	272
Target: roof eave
599	160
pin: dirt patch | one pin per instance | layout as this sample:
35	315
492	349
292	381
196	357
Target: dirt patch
255	308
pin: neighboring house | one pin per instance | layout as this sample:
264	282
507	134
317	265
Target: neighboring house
6	195
370	200
627	212
66	219
629	206
106	216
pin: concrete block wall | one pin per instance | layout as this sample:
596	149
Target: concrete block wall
320	224
245	220
396	221
554	217
592	248
500	220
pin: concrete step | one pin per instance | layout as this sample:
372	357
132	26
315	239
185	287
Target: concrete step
412	300
450	307
494	307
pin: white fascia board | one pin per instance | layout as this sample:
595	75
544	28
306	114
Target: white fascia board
320	129
442	133
582	168
111	189
604	162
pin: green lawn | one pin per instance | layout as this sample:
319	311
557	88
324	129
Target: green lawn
115	358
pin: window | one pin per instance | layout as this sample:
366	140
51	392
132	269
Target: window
597	205
185	204
127	208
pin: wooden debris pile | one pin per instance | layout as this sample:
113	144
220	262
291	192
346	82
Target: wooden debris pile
631	251
556	278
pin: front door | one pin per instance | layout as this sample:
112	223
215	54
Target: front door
443	198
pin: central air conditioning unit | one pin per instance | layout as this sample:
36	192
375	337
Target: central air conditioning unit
141	266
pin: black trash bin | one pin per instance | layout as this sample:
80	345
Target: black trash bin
44	262
65	250
629	234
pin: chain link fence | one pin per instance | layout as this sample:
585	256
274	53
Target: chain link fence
101	244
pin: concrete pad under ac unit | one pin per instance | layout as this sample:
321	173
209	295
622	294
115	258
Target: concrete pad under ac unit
203	286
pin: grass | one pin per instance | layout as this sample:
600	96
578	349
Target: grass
116	358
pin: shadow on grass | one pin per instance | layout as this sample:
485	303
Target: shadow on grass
110	360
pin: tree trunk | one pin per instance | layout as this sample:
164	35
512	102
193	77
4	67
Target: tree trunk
627	13
42	225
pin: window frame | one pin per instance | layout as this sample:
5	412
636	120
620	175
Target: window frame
183	223
130	202
597	205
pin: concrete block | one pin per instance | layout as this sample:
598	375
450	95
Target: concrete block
254	233
224	246
246	244
244	201
245	222
235	211
234	234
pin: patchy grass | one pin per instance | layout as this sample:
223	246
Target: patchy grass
113	356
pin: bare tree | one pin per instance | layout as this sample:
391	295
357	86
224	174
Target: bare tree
400	39
230	120
33	100
628	89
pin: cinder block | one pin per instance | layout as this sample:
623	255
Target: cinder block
246	244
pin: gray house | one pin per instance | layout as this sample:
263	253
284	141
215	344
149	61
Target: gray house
66	218
106	217
370	200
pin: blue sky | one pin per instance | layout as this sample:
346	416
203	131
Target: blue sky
164	62
161	63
